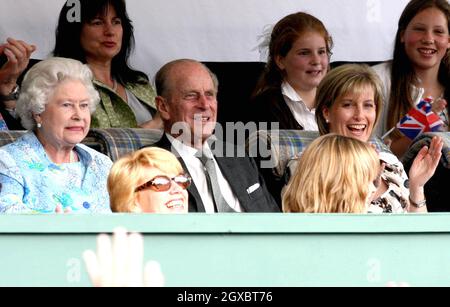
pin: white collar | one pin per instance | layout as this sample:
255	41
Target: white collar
288	91
187	150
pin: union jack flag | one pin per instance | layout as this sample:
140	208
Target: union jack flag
2	123
420	119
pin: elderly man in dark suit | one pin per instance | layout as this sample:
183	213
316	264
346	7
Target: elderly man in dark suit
222	182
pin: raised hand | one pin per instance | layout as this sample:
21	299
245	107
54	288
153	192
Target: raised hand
18	54
425	163
119	263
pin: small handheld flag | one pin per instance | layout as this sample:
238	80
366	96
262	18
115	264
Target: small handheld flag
420	119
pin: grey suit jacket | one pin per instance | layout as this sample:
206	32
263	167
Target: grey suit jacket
243	176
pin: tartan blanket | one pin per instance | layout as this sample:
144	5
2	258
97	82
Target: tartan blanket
113	142
281	147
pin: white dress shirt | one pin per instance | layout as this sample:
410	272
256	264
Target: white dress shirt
197	172
304	116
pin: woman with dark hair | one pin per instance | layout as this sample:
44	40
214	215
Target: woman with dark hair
420	66
299	54
104	40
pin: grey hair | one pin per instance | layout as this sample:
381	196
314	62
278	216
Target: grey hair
42	80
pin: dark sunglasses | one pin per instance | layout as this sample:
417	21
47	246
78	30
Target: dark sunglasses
163	183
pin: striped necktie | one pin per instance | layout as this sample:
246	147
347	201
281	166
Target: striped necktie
213	184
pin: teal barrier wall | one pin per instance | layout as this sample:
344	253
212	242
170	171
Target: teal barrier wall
238	249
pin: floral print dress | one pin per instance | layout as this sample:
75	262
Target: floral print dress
31	183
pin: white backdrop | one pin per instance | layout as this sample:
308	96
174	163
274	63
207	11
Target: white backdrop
218	30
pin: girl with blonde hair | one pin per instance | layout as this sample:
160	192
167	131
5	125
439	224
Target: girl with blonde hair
335	174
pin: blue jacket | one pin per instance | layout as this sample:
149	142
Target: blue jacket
31	183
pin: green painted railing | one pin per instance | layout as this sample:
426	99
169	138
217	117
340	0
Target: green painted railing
238	249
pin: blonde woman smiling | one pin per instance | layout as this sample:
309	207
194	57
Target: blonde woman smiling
150	180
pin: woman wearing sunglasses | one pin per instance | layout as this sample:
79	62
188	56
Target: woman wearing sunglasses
150	180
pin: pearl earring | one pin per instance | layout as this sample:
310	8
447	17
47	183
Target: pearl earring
39	125
327	120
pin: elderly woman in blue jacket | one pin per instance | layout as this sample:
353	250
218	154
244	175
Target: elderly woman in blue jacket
48	170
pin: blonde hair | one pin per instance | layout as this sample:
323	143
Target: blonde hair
128	173
333	176
343	80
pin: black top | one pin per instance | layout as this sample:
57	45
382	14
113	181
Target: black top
270	106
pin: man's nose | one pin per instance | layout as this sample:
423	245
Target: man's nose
203	101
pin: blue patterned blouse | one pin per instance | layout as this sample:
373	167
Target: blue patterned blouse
2	123
31	183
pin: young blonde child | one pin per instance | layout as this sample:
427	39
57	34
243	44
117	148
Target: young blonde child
335	174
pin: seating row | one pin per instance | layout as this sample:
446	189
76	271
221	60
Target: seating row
275	151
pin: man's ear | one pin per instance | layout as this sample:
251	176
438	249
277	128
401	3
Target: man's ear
162	107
